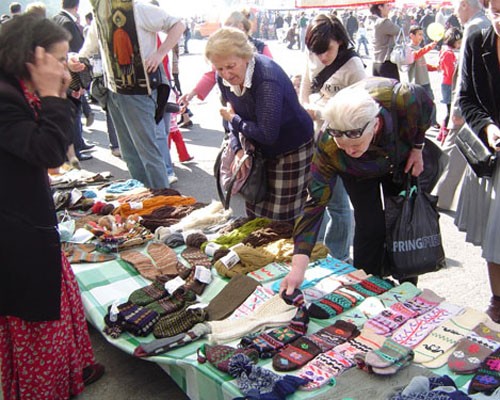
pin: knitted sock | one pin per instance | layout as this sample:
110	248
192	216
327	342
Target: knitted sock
424	302
164	258
174	324
232	295
135	319
487	378
259	296
323	369
304	349
169	304
472	350
399	294
333	282
270	272
78	255
432	351
296	355
194	284
220	355
417	329
268	343
390	319
365	342
148	294
389	358
194	256
334	303
261	382
141	263
372	286
271	313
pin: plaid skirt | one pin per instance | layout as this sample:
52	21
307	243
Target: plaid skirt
287	179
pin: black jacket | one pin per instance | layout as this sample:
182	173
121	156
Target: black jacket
479	95
77	39
30	251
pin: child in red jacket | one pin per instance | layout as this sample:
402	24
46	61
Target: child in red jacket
447	64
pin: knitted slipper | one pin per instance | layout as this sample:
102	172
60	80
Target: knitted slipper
171	325
487	378
148	294
324	368
472	350
391	354
170	304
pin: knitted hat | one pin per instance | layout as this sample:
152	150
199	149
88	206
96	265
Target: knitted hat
251	378
220	355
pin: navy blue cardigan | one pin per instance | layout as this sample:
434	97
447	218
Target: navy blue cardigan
269	112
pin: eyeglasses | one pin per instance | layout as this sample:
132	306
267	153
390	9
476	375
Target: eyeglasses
351	133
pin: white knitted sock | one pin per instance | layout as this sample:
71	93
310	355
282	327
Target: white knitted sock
274	312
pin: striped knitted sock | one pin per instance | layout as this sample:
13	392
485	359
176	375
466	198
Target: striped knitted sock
179	322
424	302
417	329
334	303
372	286
77	255
169	304
164	257
141	263
303	350
390	319
390	355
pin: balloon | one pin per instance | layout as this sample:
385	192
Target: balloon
435	31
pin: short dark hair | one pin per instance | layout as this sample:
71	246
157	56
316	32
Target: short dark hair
321	30
15	8
67	4
451	36
414	29
89	16
20	36
375	10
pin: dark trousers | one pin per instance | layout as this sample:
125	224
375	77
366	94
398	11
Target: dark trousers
369	233
386	70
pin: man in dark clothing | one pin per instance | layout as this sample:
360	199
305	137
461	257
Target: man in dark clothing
351	25
67	18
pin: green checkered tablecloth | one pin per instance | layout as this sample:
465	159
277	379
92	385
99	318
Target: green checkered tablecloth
101	284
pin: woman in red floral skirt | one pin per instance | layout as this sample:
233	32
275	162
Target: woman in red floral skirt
45	349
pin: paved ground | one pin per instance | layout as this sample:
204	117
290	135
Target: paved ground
464	282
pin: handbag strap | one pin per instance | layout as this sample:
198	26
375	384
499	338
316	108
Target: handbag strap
395	123
226	198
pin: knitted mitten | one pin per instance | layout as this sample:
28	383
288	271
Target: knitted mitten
487	378
387	360
169	304
178	322
148	294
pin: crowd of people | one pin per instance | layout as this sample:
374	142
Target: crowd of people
340	137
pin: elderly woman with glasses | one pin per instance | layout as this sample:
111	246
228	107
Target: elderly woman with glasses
371	137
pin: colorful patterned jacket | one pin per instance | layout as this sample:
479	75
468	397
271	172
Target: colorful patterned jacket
413	108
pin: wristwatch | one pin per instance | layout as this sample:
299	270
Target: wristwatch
419	146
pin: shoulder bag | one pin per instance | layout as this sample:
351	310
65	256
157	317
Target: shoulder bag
402	54
479	156
253	186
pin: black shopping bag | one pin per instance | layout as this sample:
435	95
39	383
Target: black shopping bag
413	236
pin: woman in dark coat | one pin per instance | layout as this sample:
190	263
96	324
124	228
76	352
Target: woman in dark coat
479	99
45	350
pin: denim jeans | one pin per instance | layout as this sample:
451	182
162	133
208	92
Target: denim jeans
113	140
339	225
143	143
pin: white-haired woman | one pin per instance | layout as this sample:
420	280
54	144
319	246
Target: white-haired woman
359	146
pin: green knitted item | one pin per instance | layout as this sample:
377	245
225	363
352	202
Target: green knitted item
148	294
237	235
182	321
168	305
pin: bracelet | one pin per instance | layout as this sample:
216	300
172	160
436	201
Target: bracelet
419	146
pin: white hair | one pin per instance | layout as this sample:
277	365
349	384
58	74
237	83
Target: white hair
351	108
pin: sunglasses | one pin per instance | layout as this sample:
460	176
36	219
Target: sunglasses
351	133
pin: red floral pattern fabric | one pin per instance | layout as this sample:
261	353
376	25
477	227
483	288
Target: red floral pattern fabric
45	360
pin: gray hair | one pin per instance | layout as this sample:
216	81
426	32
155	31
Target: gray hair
351	108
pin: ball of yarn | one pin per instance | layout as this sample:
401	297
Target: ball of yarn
219	253
174	240
196	240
